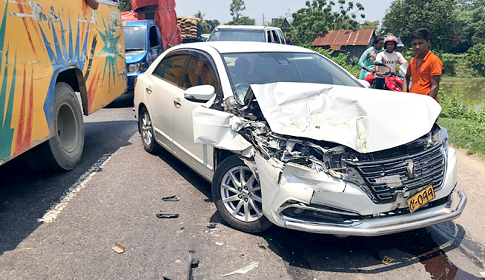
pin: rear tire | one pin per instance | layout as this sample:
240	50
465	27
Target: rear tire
146	131
64	149
237	195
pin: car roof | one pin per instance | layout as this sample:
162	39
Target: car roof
255	27
244	47
141	22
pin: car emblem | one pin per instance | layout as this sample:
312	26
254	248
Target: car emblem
411	169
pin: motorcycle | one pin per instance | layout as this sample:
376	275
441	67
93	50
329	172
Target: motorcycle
389	80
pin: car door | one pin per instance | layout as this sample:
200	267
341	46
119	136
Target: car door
162	88
200	70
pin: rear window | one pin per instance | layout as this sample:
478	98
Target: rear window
237	35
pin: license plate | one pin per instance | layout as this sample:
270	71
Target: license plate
421	198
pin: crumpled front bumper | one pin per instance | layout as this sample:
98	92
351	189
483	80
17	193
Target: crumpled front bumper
389	225
289	186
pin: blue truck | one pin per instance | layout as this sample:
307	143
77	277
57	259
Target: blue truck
143	44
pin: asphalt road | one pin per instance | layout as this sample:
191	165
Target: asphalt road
63	226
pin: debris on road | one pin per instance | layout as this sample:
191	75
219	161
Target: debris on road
211	225
171	198
193	263
219	243
118	248
387	260
244	270
167	216
180	230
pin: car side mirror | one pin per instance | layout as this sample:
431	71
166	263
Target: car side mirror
202	93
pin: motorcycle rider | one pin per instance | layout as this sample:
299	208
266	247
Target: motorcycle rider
389	57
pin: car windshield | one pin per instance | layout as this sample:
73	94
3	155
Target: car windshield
237	35
262	68
135	38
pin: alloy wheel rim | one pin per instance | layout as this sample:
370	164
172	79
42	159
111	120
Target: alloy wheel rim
146	129
241	194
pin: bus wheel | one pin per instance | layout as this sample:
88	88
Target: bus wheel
64	150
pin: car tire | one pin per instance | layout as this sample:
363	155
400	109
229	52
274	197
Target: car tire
63	151
237	195
146	131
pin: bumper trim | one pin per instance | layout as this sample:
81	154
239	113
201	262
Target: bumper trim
359	228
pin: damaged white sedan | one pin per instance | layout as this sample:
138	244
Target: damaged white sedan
287	137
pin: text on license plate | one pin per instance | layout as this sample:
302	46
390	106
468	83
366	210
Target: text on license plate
421	198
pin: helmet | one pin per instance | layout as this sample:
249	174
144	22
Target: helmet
390	39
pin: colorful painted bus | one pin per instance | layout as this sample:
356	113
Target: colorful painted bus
58	61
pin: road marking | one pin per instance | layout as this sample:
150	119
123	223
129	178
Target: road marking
54	211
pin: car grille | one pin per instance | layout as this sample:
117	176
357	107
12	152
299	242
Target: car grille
429	170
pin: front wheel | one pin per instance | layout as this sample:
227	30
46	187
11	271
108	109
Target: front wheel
146	131
237	195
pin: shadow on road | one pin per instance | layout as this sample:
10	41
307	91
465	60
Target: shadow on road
365	255
26	195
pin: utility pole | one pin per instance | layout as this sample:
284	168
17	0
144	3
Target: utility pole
263	18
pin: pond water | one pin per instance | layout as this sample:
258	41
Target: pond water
471	90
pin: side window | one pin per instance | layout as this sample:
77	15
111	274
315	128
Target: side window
200	72
281	38
275	36
154	42
268	37
170	68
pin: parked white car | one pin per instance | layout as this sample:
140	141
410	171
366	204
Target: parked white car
288	137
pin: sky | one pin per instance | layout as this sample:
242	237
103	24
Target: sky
257	9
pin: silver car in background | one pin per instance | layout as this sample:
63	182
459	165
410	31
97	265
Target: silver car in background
287	137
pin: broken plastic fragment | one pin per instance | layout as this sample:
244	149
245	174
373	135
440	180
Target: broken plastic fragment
180	230
244	270
387	260
212	225
219	243
118	248
167	216
171	198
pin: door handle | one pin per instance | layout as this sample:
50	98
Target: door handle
177	103
149	90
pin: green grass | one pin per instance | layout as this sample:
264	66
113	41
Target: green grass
466	126
462	136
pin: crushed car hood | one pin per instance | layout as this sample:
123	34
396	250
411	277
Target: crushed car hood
366	120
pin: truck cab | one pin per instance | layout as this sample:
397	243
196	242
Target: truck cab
143	44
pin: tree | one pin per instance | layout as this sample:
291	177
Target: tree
439	16
470	25
211	24
125	5
242	21
237	6
318	16
370	25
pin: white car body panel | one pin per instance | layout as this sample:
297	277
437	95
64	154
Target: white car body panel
218	129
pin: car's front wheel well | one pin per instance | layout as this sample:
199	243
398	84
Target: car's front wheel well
220	155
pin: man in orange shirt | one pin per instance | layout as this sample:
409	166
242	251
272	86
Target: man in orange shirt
425	68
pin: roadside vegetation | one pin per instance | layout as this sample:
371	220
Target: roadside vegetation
465	125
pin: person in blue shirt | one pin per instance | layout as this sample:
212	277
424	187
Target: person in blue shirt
368	59
287	40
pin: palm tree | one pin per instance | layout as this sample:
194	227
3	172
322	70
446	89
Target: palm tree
200	15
